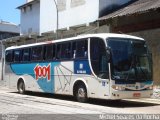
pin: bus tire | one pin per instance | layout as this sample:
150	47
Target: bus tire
21	87
81	93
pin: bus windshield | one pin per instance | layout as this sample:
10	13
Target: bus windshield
130	60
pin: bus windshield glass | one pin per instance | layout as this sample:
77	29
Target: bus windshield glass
130	60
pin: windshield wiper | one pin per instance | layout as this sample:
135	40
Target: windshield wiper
139	67
131	66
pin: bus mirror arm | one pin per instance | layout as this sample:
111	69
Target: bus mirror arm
150	57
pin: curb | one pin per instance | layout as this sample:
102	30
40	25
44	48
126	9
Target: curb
145	100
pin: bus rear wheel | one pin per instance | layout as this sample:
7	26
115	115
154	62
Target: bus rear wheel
21	87
81	94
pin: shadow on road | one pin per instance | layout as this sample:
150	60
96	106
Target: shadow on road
121	103
107	103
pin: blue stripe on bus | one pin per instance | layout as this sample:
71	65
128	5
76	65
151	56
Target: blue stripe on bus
46	84
40	73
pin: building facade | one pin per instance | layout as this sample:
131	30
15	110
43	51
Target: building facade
41	16
8	30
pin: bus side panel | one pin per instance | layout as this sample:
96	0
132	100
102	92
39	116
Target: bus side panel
24	72
56	77
37	76
63	77
97	88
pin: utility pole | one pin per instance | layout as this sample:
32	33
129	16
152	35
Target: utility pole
57	19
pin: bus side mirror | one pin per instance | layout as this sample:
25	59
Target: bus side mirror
108	54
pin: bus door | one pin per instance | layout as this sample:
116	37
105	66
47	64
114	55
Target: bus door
100	66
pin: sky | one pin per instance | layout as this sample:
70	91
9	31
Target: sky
8	11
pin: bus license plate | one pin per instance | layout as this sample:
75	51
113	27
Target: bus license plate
136	94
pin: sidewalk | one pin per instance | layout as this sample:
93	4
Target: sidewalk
4	87
145	100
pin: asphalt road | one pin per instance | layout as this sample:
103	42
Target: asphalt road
43	106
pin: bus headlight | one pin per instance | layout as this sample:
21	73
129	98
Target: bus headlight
116	87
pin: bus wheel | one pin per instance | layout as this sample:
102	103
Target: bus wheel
21	87
81	93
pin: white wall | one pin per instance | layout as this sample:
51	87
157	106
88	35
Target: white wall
48	15
30	20
71	16
82	14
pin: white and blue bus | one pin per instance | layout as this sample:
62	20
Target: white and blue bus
103	66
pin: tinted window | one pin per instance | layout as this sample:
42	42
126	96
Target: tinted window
58	51
26	55
9	56
130	59
81	50
66	50
54	51
37	53
99	58
49	52
63	51
17	55
74	50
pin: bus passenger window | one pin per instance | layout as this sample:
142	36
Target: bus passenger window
26	55
17	55
49	52
73	50
66	50
54	51
82	48
37	53
9	56
58	51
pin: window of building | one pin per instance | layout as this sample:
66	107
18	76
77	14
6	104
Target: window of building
23	10
30	7
61	5
30	30
75	3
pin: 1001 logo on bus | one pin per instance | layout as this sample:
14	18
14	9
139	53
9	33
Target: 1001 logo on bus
43	72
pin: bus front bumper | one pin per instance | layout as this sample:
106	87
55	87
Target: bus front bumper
131	94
